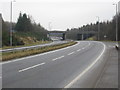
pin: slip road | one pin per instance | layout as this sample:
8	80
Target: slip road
55	69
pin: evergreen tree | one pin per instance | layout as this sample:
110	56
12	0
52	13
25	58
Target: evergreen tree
107	29
23	23
19	26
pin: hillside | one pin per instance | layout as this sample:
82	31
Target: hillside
24	32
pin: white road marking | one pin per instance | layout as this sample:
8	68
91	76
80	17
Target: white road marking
111	46
79	50
87	69
39	54
31	67
83	48
58	58
87	45
71	53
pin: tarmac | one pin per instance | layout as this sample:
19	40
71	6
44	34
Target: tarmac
109	76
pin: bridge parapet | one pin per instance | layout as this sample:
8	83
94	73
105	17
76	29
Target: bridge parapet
57	35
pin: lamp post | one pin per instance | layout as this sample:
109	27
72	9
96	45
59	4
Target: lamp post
98	28
49	26
11	23
116	23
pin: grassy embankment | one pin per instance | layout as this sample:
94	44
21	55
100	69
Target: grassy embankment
31	44
91	39
19	54
29	39
94	39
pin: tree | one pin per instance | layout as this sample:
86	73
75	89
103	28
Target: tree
106	28
23	23
6	35
19	26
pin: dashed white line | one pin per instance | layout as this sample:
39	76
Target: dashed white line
28	57
87	45
58	58
71	53
31	67
111	46
83	48
79	50
87	69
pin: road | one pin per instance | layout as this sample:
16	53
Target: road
55	69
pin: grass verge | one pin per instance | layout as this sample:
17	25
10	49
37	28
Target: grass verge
32	44
19	54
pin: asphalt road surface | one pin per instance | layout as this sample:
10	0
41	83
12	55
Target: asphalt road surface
55	69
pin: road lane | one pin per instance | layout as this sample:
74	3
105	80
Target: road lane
85	70
27	62
32	56
31	67
52	74
58	58
71	53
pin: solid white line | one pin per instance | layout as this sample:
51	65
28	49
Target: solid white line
58	58
31	67
39	54
87	69
71	53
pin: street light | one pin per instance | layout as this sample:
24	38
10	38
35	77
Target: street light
98	28
11	22
49	26
116	23
117	47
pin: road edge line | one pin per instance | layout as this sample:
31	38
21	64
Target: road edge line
88	68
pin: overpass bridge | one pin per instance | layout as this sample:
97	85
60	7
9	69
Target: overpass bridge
61	35
81	35
57	35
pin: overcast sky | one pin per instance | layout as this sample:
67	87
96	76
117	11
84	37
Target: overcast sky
62	14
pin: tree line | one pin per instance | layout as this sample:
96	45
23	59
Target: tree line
25	27
107	30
